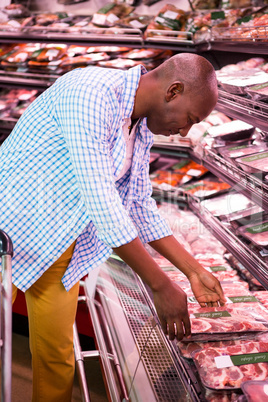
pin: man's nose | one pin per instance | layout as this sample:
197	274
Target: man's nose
184	131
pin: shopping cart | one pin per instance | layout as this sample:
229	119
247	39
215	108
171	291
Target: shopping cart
6	253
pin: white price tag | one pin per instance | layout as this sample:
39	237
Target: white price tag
160	20
170	14
112	18
194	172
51	53
136	24
99	19
223	361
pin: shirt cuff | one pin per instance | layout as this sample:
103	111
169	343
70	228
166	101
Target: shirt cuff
154	232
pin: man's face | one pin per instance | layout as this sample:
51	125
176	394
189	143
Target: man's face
179	114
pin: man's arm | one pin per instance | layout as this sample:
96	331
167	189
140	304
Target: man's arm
169	299
205	286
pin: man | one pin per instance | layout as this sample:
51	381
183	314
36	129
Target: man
75	186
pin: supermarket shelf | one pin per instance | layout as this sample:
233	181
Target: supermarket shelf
250	259
251	186
172	149
240	107
31	80
250	47
97	36
172	40
241	39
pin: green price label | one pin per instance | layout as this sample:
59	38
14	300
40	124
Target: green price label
213	314
244	299
218	268
251	358
256	157
258	228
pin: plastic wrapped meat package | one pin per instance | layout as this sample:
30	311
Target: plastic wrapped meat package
262	296
206	245
180	172
226	204
230	153
186	349
221	323
255	391
256	163
169	18
256	233
227	367
235	130
181	221
258	92
205	188
236	82
110	13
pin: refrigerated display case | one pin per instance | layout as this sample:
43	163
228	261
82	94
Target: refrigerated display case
138	361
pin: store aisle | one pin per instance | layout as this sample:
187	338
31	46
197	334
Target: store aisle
21	374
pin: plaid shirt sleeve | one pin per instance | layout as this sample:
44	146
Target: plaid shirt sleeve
144	212
84	114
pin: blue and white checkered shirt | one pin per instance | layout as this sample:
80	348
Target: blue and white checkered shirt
58	176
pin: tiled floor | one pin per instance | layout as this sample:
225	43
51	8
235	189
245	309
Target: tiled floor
21	374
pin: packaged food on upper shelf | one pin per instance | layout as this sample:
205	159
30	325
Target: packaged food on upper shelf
204	21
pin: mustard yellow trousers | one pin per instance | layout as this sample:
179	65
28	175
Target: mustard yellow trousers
51	313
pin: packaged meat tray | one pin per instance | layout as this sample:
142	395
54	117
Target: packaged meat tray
186	349
232	288
221	323
258	92
256	163
205	188
262	296
176	174
237	82
235	130
226	204
255	391
248	215
110	13
232	152
256	233
226	368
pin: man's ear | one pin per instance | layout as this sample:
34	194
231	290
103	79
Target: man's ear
174	90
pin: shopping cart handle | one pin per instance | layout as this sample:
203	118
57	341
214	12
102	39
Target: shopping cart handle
6	246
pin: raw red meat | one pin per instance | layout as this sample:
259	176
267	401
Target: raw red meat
241	319
249	343
234	376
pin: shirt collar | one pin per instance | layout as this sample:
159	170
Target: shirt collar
132	79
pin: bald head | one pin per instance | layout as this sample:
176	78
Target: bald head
177	94
195	73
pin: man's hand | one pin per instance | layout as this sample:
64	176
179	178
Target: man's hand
171	306
207	289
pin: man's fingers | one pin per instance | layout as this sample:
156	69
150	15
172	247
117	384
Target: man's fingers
219	290
163	325
187	325
179	328
171	330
